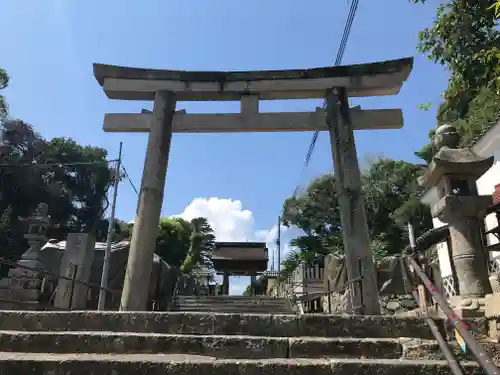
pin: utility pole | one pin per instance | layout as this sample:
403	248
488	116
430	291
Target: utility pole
111	229
278	245
272	260
411	237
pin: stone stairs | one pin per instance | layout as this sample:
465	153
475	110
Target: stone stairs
234	304
180	343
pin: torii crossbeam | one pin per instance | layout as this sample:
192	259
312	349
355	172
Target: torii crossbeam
166	87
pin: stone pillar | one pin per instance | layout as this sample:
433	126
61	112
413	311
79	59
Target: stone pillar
357	242
225	283
451	180
143	242
78	257
468	256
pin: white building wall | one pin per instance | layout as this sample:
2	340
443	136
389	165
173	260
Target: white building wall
442	252
486	186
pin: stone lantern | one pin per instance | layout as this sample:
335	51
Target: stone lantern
451	177
25	283
202	278
38	224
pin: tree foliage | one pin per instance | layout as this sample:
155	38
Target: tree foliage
259	287
185	244
465	39
4	82
173	240
72	179
202	244
391	196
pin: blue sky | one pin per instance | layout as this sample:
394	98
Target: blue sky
49	47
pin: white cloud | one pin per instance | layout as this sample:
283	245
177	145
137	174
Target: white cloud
231	222
227	217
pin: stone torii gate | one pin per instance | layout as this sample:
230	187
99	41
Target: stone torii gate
166	87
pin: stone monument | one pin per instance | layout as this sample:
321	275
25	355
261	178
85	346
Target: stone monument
76	264
452	175
25	283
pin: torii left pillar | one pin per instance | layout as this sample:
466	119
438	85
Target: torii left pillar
142	245
361	269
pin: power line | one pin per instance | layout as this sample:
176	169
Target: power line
338	60
129	180
50	165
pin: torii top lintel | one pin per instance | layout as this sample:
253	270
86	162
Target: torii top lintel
373	79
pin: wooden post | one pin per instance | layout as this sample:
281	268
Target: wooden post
357	243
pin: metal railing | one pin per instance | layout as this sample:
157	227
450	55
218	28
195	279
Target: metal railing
48	303
458	324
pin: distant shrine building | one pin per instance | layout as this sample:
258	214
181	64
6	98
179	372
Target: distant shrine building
239	259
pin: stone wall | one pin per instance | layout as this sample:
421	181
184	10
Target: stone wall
395	304
162	281
339	303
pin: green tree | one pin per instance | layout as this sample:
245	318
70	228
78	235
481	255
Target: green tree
465	40
391	196
4	82
259	287
202	244
496	7
174	240
392	193
34	170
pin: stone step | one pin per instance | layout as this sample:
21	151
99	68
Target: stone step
179	364
248	347
269	302
235	305
231	303
259	297
229	310
241	299
320	325
236	309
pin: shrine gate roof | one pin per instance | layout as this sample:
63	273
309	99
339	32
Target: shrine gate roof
372	79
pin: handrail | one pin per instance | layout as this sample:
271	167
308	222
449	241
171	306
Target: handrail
463	328
73	280
174	293
443	345
40	270
292	297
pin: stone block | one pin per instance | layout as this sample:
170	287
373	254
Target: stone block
220	324
76	263
25	294
492	313
218	346
179	364
468	307
22	273
492	305
26	283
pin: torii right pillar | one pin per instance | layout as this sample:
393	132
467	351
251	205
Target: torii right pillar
361	268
